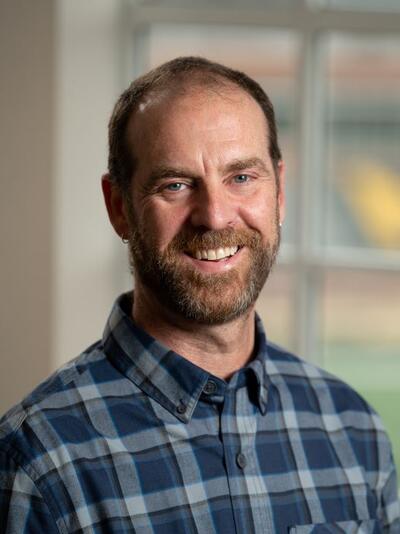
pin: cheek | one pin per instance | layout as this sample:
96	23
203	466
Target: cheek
160	224
261	215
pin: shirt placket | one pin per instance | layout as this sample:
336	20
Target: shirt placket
250	502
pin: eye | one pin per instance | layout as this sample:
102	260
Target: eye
241	178
175	186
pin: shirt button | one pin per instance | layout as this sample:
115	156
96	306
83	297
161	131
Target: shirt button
210	387
181	408
241	460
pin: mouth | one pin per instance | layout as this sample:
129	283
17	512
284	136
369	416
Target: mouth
214	254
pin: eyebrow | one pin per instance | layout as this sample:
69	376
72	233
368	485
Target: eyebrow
242	164
161	172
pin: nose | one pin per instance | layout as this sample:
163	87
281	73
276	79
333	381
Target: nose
213	208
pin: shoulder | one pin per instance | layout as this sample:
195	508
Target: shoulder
314	391
337	429
56	412
327	412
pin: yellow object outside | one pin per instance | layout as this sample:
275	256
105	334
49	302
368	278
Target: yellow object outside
373	193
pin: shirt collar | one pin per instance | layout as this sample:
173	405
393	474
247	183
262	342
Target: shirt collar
168	378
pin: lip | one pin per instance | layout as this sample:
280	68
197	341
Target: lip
216	267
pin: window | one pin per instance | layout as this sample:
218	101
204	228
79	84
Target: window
333	74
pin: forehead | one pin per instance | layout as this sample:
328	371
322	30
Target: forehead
166	105
170	120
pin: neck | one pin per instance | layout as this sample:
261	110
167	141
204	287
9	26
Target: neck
218	349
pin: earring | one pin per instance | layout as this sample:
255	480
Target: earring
124	240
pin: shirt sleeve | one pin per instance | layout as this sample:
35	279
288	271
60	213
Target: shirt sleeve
390	505
22	507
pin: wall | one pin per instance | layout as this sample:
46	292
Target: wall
27	141
60	264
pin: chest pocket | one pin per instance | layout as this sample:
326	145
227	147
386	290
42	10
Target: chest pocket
370	526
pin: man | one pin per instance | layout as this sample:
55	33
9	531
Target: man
183	418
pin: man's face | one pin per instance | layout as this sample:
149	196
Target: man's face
204	206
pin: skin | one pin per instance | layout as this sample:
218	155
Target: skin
213	176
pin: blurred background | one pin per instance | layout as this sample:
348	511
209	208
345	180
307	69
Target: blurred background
332	69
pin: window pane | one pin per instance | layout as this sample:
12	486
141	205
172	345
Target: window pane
275	306
363	141
362	339
269	56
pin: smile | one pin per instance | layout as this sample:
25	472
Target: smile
215	254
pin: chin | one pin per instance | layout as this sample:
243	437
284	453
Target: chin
212	306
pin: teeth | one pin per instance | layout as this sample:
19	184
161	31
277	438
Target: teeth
220	253
215	254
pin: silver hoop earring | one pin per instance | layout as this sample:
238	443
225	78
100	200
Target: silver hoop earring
124	240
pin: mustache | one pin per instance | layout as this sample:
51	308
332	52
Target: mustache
211	239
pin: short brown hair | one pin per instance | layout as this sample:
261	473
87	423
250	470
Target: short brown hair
182	70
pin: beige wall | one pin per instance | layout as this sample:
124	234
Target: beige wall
60	263
27	142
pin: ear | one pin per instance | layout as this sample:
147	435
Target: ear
281	191
116	207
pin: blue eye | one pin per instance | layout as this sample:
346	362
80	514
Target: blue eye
176	186
241	178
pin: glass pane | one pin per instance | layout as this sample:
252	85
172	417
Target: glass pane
362	339
269	56
363	141
275	306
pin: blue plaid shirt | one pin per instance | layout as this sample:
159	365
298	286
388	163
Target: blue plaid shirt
132	438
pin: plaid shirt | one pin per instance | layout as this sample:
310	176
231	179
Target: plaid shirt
132	438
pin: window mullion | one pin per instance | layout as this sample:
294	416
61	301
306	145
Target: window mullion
310	215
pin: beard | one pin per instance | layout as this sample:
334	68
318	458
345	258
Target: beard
204	298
